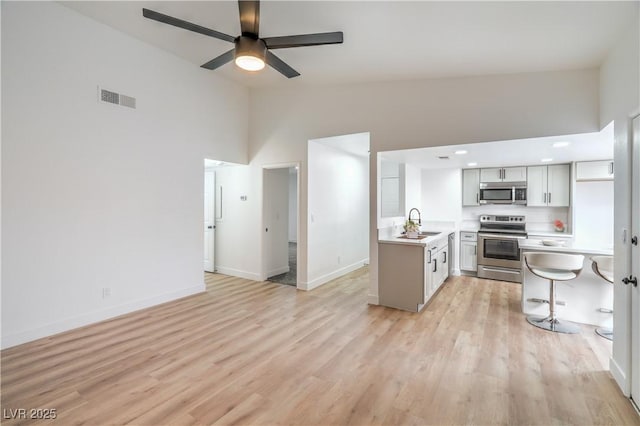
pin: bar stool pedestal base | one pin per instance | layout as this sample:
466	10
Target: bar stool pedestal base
550	324
607	333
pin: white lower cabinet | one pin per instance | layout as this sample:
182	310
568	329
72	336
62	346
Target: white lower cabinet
441	264
468	251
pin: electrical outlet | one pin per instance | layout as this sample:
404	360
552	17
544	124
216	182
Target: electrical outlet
106	292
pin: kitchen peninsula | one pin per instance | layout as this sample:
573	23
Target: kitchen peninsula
583	297
412	269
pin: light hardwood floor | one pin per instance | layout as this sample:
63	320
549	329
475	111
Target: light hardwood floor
261	353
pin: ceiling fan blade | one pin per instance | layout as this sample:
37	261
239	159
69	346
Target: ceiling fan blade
280	66
249	16
166	19
303	40
220	60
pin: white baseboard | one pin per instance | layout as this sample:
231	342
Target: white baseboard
317	282
278	271
238	273
96	316
620	377
372	299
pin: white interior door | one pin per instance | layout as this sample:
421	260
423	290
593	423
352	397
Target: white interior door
209	220
276	221
635	263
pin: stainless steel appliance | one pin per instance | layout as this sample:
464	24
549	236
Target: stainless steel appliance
499	256
503	193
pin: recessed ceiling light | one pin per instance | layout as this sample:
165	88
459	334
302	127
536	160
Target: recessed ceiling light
547	160
461	152
561	144
472	164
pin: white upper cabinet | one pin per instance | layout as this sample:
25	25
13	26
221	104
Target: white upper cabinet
549	185
594	170
471	187
514	174
558	185
392	192
491	175
503	174
537	186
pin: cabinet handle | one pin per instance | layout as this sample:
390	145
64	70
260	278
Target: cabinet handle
477	198
435	265
611	168
545	198
445	257
549	198
475	249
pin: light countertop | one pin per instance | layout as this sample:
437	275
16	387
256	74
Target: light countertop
549	234
567	247
417	242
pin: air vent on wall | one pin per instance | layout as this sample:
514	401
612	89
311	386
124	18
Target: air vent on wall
110	97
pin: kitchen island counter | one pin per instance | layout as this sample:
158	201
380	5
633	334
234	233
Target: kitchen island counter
584	296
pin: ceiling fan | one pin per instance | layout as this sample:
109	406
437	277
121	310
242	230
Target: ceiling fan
251	52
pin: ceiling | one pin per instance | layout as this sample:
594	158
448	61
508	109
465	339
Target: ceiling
388	40
520	152
354	144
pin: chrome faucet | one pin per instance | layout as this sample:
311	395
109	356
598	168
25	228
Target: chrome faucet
419	216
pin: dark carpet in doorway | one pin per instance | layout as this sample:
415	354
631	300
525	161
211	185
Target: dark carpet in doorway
288	278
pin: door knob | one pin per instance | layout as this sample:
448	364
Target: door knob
631	280
634	240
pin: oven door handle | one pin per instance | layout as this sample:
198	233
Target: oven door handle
502	236
506	271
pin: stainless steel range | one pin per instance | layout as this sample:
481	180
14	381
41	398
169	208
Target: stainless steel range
499	256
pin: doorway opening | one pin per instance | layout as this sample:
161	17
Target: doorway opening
281	224
338	207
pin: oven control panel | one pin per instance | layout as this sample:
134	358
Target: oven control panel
501	219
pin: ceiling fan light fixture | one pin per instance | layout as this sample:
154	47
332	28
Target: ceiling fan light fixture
249	63
250	53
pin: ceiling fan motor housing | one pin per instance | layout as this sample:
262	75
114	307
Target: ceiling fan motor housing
249	46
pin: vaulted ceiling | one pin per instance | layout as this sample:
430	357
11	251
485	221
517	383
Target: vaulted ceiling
388	40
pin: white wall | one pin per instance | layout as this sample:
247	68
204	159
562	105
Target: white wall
619	100
293	206
442	195
234	221
593	214
338	221
276	221
97	195
410	114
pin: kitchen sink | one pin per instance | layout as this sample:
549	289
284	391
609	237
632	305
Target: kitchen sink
429	234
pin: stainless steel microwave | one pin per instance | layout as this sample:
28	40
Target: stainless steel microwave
503	193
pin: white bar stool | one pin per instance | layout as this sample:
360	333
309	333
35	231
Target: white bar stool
553	267
603	267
